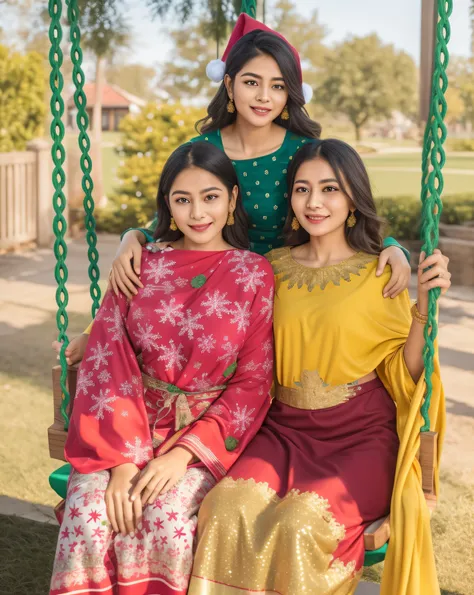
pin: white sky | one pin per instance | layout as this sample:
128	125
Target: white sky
395	21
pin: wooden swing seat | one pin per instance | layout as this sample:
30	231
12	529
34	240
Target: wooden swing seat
376	535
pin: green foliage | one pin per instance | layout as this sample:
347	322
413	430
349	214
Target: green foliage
363	79
403	214
148	140
22	107
103	26
134	78
460	144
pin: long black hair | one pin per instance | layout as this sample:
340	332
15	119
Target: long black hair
353	180
208	157
248	47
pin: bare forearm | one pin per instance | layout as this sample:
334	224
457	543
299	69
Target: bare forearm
413	351
137	234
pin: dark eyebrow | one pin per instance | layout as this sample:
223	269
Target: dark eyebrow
209	189
201	192
301	182
328	180
257	76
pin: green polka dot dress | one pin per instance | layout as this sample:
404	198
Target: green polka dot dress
264	190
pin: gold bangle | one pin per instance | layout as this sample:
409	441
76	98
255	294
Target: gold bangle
415	314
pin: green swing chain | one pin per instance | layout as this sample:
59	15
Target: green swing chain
82	120
58	155
434	158
59	178
249	7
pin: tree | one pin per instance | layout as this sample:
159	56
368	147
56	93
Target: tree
148	139
22	106
365	79
185	76
461	81
103	31
134	78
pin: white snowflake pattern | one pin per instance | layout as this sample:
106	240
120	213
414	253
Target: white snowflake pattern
137	314
251	366
146	337
251	279
170	311
188	324
242	258
267	308
202	384
102	403
241	315
124	413
104	376
137	452
181	282
217	409
172	355
167	287
231	351
267	365
242	419
159	269
267	347
135	380
117	324
216	304
100	355
84	382
126	388
206	343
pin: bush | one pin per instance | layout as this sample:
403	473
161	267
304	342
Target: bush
22	106
148	140
460	144
403	213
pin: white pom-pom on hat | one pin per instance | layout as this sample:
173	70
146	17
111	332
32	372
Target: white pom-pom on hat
307	92
215	70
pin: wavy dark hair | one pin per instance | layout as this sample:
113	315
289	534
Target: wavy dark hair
257	43
208	157
353	180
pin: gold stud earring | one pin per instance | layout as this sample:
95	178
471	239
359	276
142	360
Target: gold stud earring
295	224
285	114
351	220
173	225
231	106
230	219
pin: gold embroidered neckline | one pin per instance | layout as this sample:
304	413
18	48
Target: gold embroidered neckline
298	274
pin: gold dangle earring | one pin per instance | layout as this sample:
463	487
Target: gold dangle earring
173	225
231	106
351	220
295	224
230	219
285	114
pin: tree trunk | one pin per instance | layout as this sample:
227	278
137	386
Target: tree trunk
357	131
97	128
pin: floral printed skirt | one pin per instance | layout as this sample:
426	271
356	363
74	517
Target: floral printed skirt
91	558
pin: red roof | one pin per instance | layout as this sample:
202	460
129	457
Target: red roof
112	96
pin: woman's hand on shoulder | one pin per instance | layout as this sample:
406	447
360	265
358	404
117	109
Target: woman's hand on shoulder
124	515
124	277
432	272
401	271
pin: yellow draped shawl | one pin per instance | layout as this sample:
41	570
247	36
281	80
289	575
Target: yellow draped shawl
334	323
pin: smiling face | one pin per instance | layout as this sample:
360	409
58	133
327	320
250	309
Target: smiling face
258	90
200	204
317	200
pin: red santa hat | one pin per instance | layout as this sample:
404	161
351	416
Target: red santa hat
215	70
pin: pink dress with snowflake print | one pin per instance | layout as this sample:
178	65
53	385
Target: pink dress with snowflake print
188	361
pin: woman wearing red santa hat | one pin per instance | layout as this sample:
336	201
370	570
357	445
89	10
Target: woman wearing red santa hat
258	119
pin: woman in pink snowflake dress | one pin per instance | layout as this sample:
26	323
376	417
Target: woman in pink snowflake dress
173	386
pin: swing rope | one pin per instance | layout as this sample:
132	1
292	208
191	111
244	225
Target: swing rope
59	177
433	160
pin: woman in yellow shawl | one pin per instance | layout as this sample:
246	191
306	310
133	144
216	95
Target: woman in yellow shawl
338	449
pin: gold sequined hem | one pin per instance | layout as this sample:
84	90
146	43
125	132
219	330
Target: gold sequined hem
282	545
